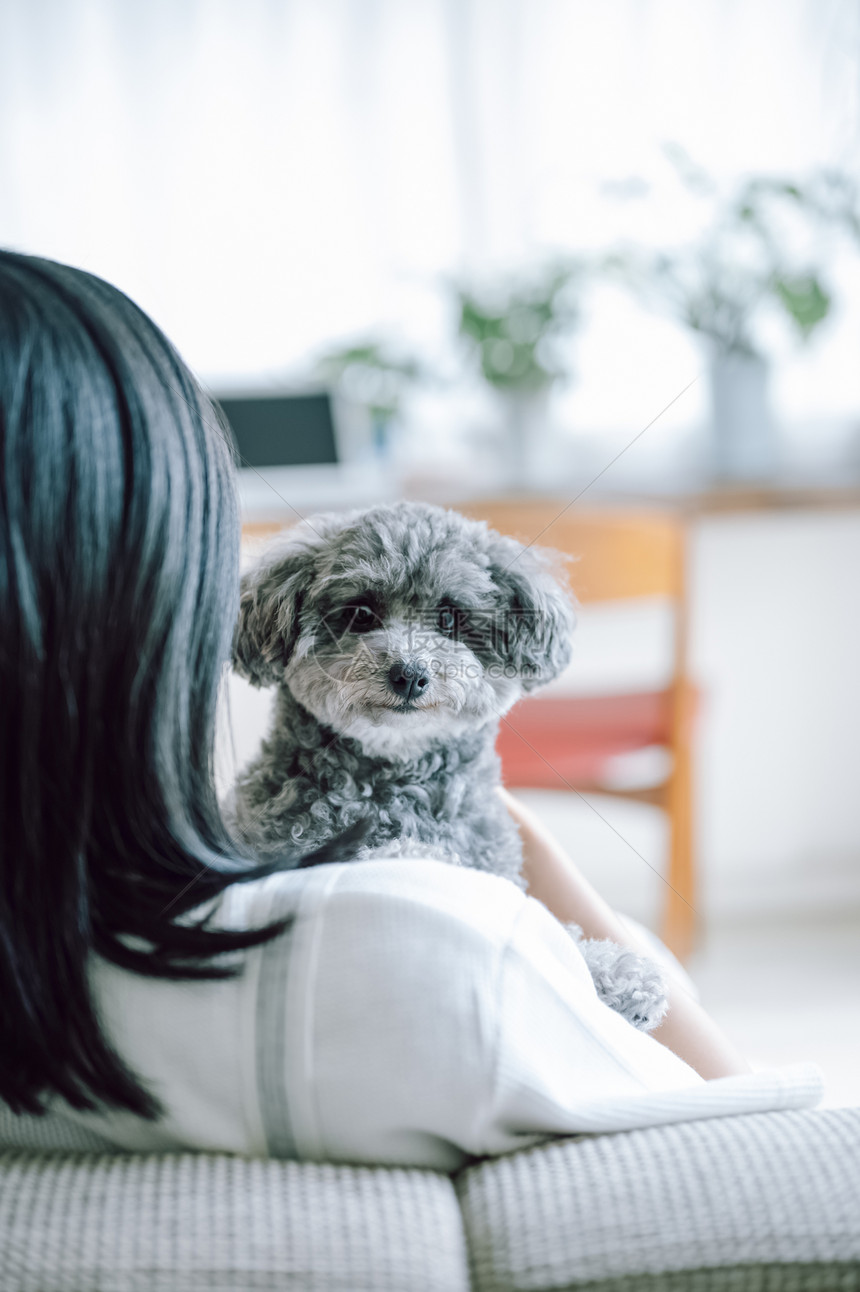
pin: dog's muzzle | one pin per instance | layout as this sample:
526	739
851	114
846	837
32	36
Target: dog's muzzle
409	678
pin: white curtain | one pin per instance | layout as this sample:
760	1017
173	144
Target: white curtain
265	176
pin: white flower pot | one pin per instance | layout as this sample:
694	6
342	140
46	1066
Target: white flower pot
743	441
524	435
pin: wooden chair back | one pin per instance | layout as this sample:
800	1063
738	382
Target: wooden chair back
620	554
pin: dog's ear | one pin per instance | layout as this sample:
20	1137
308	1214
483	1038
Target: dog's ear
536	615
270	606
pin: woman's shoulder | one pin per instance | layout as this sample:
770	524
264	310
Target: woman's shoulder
415	888
324	1044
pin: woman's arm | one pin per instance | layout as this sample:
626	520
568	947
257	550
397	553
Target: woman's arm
554	880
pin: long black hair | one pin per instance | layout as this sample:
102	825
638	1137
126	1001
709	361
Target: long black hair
119	544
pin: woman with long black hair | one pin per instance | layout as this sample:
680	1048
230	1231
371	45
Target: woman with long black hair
157	987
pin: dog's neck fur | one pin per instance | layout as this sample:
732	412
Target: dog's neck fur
297	737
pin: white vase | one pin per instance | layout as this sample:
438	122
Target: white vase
525	430
743	442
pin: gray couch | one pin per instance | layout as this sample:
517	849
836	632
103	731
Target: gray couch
754	1203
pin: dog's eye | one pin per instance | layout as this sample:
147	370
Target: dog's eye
359	619
449	620
470	628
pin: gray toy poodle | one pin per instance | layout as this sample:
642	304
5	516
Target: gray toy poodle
397	638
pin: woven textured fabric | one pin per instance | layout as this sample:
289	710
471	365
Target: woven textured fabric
186	1223
835	1277
692	1200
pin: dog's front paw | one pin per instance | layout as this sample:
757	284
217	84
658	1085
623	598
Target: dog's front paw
633	985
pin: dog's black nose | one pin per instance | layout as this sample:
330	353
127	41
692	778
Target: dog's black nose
408	678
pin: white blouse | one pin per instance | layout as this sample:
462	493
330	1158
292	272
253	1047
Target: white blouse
414	1013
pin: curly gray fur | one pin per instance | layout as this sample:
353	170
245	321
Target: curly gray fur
633	985
397	638
308	784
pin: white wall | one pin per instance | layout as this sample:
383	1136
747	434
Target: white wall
776	644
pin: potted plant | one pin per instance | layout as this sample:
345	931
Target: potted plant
513	333
375	377
759	254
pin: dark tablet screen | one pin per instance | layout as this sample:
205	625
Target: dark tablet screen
282	430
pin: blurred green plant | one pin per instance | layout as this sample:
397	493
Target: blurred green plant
762	247
372	374
513	330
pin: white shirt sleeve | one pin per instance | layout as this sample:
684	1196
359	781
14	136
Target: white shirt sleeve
432	1013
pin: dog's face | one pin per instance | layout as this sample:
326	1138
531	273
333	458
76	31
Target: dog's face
402	626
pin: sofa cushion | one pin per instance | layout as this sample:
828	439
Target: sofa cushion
770	1200
185	1223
